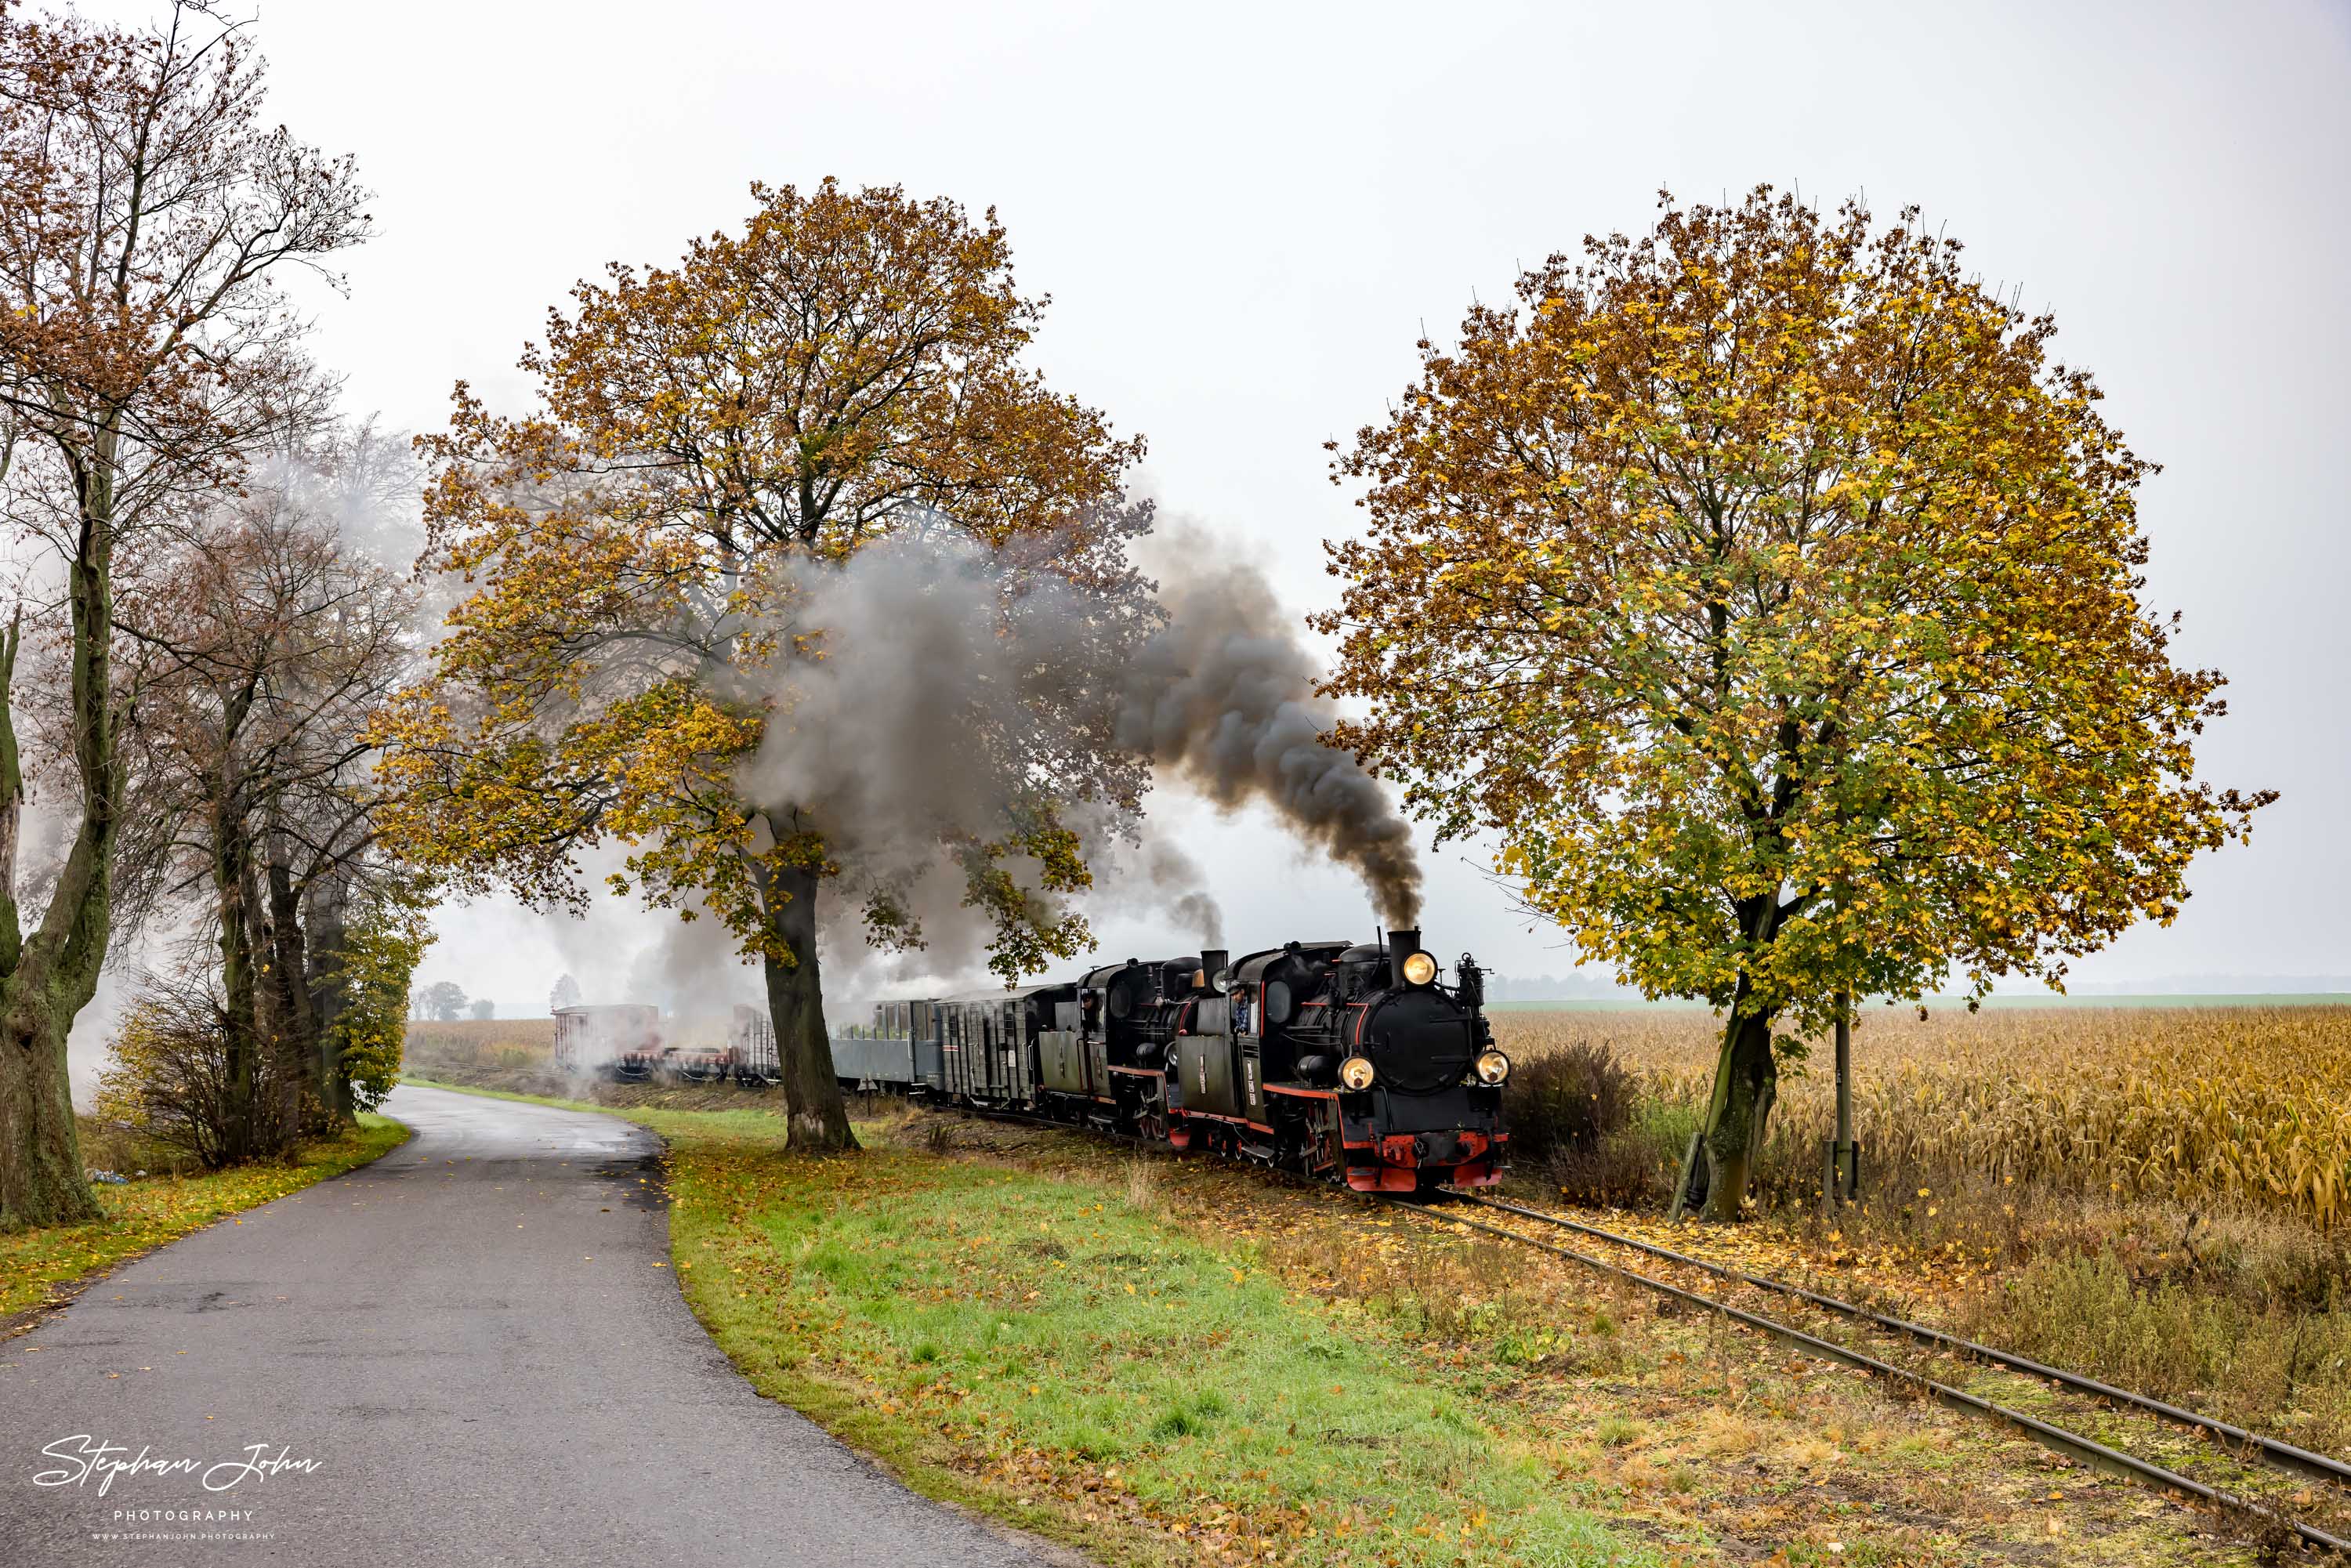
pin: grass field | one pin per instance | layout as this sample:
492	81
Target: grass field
2248	1105
513	1054
38	1268
1170	1361
2155	1195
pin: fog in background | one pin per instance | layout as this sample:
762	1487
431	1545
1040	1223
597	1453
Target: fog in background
1246	215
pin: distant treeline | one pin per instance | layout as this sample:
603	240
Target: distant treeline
1550	988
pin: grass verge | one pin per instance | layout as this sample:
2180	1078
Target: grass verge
1059	1345
1058	1349
40	1268
888	1296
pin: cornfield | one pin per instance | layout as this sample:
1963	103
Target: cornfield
480	1043
2249	1103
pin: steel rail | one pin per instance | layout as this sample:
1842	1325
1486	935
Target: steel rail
2283	1455
2071	1444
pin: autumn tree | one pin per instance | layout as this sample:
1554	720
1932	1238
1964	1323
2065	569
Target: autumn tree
444	1000
713	439
146	207
260	643
1772	596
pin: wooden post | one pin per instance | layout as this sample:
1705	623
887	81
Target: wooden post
1844	1163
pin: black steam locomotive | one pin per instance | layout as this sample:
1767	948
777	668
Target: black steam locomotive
1351	1062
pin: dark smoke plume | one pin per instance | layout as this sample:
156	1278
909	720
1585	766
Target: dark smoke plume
954	671
948	660
1223	697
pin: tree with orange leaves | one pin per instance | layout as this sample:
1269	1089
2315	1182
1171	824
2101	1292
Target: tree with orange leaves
1767	590
715	439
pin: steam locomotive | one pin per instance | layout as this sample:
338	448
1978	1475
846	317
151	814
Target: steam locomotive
1349	1063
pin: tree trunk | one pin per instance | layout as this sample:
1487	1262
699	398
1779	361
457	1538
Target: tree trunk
1746	1081
47	980
270	1133
326	932
303	1098
817	1114
41	1179
232	887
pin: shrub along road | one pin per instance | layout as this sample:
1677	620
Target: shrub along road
473	1351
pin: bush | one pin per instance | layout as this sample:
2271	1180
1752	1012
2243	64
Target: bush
169	1077
368	1033
1571	1098
1585	1121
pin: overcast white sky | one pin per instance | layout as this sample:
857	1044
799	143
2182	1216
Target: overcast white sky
1246	213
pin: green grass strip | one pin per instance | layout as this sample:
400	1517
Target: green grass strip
1060	1352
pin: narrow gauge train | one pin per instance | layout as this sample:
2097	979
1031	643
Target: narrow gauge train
627	1041
748	1057
1351	1062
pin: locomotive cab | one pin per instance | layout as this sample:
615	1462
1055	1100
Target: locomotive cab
1128	1016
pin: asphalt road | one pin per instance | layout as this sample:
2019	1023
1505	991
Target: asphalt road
470	1342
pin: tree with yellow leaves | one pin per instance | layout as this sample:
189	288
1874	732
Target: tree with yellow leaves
1767	590
718	442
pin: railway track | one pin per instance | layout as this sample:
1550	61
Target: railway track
2259	1450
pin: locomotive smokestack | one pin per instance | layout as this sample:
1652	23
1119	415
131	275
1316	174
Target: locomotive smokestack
1403	943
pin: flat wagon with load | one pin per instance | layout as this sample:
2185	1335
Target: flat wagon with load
623	1039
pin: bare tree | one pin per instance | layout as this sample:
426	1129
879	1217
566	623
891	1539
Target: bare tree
259	647
145	352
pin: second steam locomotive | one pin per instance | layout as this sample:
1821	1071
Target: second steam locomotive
1358	1064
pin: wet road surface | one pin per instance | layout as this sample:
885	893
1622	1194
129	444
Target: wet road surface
469	1342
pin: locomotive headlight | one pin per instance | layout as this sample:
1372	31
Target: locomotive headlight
1419	968
1355	1072
1492	1067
